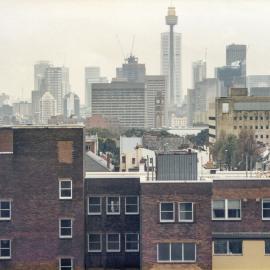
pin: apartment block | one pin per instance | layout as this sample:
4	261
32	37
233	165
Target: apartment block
112	222
41	198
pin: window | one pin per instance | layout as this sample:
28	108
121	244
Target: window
250	127
256	127
235	127
225	107
113	205
256	117
250	118
240	126
166	212
261	136
113	242
267	136
186	212
65	228
176	252
266	209
123	159
267	247
133	161
65	264
240	118
261	118
267	127
94	242
132	205
226	209
261	127
234	118
132	242
65	189
5	210
228	247
5	249
94	205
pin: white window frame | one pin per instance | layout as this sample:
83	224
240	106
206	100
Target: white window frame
113	213
100	241
8	257
138	202
192	211
166	220
138	243
227	243
65	236
9	201
170	252
265	200
100	204
226	209
71	259
60	189
107	242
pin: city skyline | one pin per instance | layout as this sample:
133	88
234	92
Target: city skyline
77	35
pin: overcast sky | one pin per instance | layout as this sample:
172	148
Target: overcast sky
79	33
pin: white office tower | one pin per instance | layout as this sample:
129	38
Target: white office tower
71	105
47	107
40	69
92	75
171	60
198	71
57	83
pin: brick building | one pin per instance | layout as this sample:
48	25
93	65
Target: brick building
112	223
41	198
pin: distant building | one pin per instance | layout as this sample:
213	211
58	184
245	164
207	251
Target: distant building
22	109
171	59
3	99
131	71
258	81
40	69
239	112
97	121
91	75
128	144
198	71
178	121
120	101
155	90
71	105
57	83
47	107
235	53
260	91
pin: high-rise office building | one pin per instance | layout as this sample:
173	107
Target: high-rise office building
71	105
48	107
121	102
40	69
131	71
57	83
91	75
235	53
258	81
198	71
171	52
155	87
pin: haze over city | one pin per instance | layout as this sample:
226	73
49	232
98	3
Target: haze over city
82	33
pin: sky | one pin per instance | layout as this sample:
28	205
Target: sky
79	33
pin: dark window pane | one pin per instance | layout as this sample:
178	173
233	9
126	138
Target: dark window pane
266	205
66	262
113	237
234	213
166	206
113	246
94	246
94	237
176	252
132	200
219	213
220	247
266	213
167	216
131	209
132	246
65	193
5	252
94	200
189	252
132	237
164	252
5	244
65	184
235	247
5	213
65	223
5	205
94	209
65	231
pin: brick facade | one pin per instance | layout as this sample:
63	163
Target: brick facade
30	179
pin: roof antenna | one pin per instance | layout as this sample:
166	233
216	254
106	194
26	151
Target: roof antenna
132	45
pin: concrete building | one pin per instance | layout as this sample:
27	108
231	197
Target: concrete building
131	71
155	89
22	109
258	81
198	71
91	75
40	69
120	101
3	99
178	121
260	91
71	105
48	107
57	83
240	111
41	201
171	59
